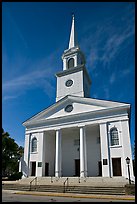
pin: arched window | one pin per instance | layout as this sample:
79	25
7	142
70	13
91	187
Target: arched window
114	136
34	145
70	63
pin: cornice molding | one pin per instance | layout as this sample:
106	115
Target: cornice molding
81	117
74	70
113	107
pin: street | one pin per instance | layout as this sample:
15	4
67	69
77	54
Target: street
10	196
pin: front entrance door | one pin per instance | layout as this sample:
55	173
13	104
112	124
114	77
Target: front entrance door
77	167
46	169
33	169
116	163
99	168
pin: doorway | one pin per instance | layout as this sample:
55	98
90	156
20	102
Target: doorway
33	168
77	167
99	168
46	169
116	163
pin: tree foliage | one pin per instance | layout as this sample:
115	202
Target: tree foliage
11	154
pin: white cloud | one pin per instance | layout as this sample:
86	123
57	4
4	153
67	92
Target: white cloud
106	93
112	78
126	71
30	80
9	97
40	74
104	42
113	45
101	46
92	58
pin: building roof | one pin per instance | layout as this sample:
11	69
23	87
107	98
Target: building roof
81	106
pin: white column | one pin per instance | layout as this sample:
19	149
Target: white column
64	64
83	156
40	149
76	60
109	152
58	154
26	162
29	150
85	148
121	141
104	150
127	152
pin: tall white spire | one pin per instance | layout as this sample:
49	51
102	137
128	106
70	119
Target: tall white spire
73	37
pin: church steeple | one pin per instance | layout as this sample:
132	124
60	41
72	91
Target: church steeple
74	79
73	56
73	42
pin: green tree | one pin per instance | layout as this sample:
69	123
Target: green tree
11	153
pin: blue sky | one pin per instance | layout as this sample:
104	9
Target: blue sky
34	36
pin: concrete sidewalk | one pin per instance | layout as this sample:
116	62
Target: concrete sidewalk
95	196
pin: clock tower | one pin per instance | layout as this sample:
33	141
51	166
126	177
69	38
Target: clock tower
74	79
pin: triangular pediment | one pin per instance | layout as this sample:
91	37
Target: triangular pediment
80	105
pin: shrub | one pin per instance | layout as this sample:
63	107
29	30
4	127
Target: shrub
15	176
130	189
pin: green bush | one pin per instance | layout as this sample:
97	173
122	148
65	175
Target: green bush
130	189
15	176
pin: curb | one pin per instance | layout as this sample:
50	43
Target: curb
115	197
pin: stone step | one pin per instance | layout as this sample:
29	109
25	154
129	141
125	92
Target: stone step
15	187
72	181
68	189
26	180
83	191
95	181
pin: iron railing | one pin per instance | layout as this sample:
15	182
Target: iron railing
64	184
34	179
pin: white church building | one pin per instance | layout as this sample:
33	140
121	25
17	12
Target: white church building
77	135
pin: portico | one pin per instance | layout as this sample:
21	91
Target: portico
69	151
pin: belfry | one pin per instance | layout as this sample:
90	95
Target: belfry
77	136
78	83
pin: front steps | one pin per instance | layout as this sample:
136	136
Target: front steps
68	189
89	185
77	181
